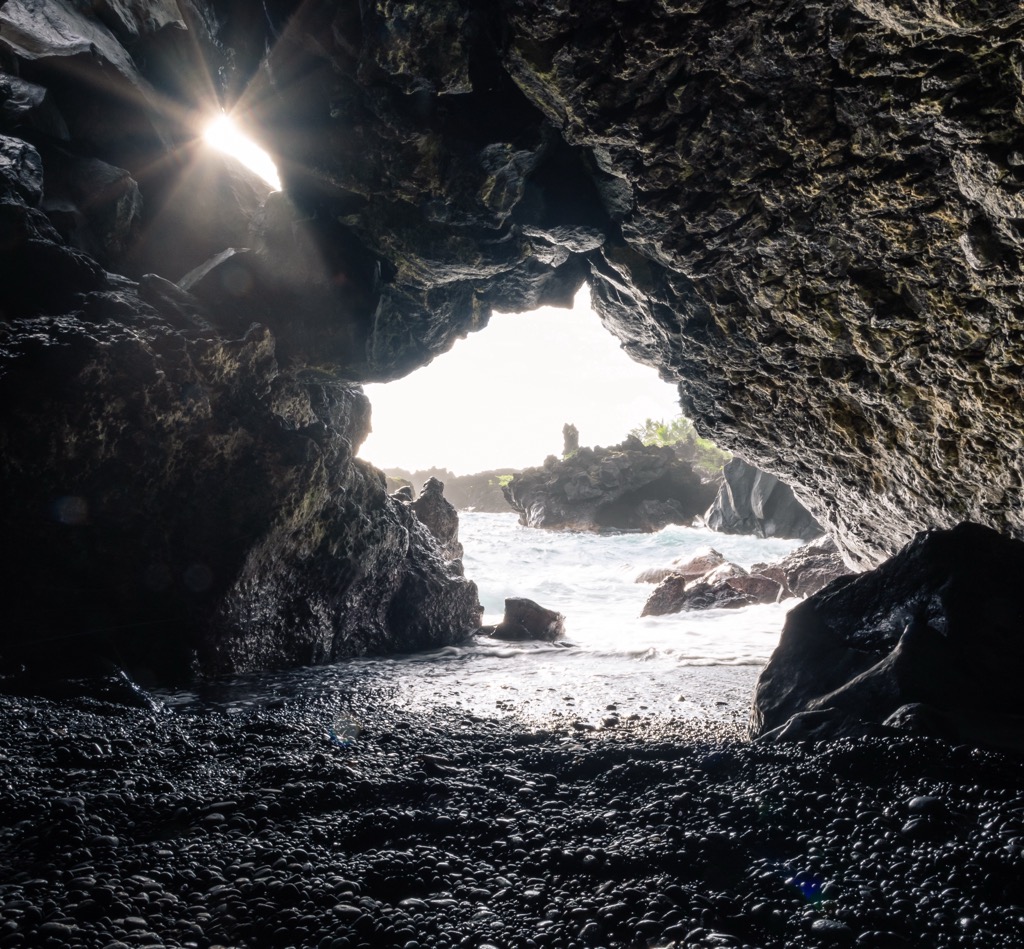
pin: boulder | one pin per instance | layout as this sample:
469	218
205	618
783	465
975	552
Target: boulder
727	586
525	619
807	569
95	206
755	502
440	518
630	486
937	626
695	566
25	104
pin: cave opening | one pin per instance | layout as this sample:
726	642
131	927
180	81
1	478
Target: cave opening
501	396
496	408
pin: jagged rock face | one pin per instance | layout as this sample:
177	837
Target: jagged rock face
753	502
439	516
802	214
806	216
626	487
190	503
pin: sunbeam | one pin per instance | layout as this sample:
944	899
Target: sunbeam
224	135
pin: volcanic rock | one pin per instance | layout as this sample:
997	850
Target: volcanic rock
806	218
630	486
479	492
699	564
221	519
754	502
524	619
439	517
937	625
726	586
807	569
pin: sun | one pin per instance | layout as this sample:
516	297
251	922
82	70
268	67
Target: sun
225	135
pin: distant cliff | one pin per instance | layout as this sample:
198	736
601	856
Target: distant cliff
473	492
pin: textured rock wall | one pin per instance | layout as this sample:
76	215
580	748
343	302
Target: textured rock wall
807	215
801	213
178	490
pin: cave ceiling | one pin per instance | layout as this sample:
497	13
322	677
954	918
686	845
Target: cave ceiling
808	215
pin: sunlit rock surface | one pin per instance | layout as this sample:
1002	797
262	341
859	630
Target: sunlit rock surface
808	217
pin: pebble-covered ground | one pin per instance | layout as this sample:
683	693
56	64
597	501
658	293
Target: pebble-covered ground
287	824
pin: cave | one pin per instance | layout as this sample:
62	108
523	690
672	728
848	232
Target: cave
806	215
799	219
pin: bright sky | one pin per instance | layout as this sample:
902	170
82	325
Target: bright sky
499	398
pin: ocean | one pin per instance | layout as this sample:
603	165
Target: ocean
611	666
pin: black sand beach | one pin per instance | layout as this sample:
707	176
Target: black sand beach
357	821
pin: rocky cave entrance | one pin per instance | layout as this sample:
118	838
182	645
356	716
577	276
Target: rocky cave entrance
500	398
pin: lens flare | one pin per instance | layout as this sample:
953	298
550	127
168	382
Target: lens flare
224	135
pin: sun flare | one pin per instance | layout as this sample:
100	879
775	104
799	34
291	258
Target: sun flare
224	135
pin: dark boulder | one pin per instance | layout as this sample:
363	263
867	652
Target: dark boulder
630	486
440	518
526	620
754	502
724	587
940	625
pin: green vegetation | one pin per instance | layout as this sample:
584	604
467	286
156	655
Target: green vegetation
503	480
705	456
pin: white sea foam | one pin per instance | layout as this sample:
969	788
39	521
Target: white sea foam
613	664
688	664
590	578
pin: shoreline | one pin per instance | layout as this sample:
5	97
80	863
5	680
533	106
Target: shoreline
362	821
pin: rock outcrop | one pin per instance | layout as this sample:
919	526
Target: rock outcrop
525	619
725	587
754	502
707	581
479	492
807	569
630	486
192	505
806	217
700	563
438	515
938	627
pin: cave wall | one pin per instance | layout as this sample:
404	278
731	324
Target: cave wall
179	491
805	214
